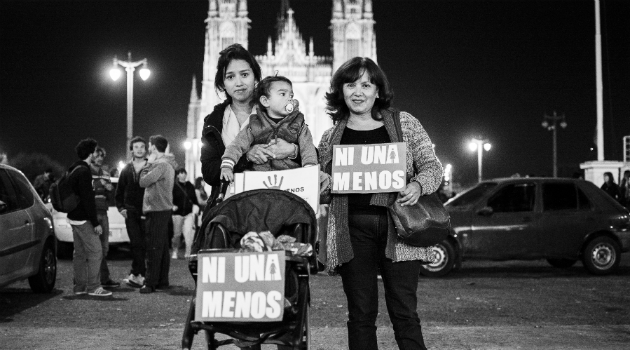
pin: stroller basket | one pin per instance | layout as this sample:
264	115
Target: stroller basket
281	213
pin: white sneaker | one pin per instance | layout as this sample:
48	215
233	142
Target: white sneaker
135	281
174	256
100	292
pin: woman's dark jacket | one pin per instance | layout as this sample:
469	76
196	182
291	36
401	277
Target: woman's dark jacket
212	150
184	197
612	189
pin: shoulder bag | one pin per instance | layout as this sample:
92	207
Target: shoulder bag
423	224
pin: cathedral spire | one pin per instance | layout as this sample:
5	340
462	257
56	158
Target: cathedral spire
368	10
337	9
213	8
282	17
242	8
193	92
311	51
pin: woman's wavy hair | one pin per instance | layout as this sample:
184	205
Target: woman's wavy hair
233	52
350	72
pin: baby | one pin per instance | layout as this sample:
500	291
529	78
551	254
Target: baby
277	117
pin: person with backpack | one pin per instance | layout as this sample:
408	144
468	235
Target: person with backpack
86	229
184	199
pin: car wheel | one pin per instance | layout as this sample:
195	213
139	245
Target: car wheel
44	280
445	262
562	263
65	250
601	256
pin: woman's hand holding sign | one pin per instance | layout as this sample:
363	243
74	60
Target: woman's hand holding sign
410	195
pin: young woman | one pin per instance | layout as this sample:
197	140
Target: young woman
236	77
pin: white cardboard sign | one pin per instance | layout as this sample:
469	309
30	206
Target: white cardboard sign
240	287
303	182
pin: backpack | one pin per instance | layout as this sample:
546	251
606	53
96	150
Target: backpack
62	196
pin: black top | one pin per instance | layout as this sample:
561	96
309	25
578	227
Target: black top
129	194
81	182
184	197
363	137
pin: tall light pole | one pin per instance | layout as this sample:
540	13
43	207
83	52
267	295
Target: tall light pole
479	145
130	67
551	122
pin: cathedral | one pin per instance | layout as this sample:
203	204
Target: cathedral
351	35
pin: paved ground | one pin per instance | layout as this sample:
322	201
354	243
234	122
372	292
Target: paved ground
487	305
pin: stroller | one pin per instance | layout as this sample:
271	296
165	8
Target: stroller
223	226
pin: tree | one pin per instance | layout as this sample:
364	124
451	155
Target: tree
33	164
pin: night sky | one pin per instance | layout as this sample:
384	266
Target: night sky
463	68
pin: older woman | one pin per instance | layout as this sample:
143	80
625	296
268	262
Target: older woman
237	75
361	237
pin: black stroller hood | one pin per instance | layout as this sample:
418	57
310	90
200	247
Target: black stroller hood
257	210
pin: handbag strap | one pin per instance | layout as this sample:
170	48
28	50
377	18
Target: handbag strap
396	117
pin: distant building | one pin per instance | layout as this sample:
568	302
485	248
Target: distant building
352	34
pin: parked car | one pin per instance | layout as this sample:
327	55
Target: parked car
27	239
63	231
560	220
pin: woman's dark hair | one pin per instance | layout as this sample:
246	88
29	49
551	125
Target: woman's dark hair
180	170
610	176
350	72
264	87
233	52
85	147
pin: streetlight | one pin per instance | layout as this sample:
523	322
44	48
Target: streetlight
550	122
130	67
479	145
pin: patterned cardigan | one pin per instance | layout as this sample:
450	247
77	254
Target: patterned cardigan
423	167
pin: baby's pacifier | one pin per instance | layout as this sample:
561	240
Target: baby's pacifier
293	105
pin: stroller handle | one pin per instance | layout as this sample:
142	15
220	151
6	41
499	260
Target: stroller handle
222	189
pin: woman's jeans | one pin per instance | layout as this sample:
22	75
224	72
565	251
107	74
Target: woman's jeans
368	234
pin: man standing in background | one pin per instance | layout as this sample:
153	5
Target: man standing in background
85	226
103	190
129	196
157	178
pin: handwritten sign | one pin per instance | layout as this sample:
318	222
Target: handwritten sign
240	287
303	182
369	168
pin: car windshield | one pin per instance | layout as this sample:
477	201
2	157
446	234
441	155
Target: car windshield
471	196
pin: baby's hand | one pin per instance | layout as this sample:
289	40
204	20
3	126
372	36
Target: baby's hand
227	174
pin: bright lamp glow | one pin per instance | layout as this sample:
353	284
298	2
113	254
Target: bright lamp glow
145	73
187	144
115	73
472	146
487	146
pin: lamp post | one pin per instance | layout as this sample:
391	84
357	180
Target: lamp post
479	145
551	122
130	67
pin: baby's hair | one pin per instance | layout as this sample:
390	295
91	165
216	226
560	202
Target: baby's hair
264	87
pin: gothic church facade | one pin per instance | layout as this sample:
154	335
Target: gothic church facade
352	34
